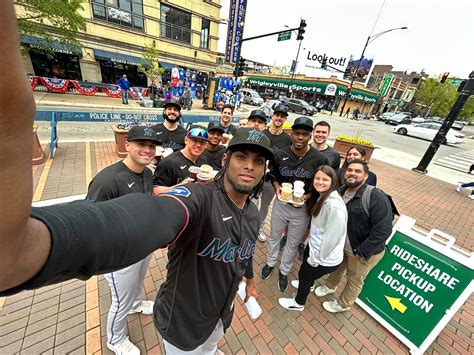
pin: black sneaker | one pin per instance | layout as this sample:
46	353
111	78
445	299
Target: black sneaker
282	242
266	271
282	282
301	248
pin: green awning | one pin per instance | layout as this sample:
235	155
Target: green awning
54	45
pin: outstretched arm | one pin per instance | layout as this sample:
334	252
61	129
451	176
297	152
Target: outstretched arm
24	242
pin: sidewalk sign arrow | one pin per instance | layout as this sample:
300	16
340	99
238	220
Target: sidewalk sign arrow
396	304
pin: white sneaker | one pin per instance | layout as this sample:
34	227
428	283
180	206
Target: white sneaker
290	304
261	235
334	307
459	188
323	290
146	307
125	347
296	284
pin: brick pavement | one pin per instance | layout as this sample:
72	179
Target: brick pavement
71	317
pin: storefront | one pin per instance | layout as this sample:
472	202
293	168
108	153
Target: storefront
63	63
327	93
114	65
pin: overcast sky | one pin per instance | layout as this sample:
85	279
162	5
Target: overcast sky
439	38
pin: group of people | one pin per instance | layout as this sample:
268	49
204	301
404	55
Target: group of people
210	230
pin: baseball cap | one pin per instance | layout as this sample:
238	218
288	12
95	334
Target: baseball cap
259	114
172	103
303	122
214	126
198	133
281	109
143	133
251	138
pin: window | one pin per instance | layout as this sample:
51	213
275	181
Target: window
175	24
205	29
127	13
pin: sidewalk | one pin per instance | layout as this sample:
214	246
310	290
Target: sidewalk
71	317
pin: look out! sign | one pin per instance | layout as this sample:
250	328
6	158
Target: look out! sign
418	285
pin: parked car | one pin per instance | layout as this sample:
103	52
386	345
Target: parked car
398	118
251	97
428	131
418	119
301	106
385	115
458	125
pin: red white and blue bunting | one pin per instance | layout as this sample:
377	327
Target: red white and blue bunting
113	91
86	89
137	92
55	85
33	80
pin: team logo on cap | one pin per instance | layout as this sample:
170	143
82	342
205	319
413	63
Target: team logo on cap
303	119
148	132
255	136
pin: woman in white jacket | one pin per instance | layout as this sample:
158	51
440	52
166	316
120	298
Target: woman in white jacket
325	249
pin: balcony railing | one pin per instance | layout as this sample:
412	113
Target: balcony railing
118	16
176	33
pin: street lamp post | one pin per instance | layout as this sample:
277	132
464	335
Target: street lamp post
369	40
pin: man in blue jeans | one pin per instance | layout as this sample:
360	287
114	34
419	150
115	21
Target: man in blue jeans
124	85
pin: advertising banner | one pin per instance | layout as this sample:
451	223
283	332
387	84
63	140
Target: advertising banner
386	84
358	70
418	285
235	30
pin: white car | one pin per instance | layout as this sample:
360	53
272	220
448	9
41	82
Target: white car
428	131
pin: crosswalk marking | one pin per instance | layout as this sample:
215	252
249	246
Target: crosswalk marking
458	161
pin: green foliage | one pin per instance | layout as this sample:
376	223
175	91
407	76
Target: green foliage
35	17
467	112
355	140
437	97
151	63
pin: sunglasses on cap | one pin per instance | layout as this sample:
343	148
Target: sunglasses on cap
198	133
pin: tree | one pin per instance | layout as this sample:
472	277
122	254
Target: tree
436	97
467	112
151	65
51	20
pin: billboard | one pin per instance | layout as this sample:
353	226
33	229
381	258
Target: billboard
235	30
360	70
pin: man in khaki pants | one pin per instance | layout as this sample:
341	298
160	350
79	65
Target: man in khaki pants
366	236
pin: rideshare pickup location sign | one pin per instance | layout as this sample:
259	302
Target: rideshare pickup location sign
418	285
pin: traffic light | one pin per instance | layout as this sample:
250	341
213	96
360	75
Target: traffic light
324	63
347	73
301	30
444	77
239	69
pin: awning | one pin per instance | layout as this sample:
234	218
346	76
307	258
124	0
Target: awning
54	45
167	65
117	57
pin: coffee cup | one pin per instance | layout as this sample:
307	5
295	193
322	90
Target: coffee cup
287	184
204	178
298	184
193	172
298	196
286	193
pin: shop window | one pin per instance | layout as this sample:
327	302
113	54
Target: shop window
128	13
61	66
205	29
112	71
175	24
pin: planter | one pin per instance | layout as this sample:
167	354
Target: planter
120	138
343	147
38	152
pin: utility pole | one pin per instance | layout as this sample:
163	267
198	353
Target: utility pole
466	89
300	37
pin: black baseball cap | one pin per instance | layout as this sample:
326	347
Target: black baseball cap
172	103
215	126
304	123
281	109
138	133
251	138
259	114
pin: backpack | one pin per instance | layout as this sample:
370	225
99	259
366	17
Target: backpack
366	201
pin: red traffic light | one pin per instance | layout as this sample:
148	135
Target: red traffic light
444	77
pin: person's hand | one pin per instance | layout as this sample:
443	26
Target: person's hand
185	181
277	188
250	290
306	197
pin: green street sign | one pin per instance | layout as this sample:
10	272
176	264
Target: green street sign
284	36
418	285
386	84
455	82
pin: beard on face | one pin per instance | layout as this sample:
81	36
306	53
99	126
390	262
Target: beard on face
355	183
170	120
242	189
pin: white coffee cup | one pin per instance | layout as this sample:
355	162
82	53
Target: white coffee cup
298	184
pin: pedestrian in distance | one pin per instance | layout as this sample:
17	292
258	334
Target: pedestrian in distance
325	250
170	132
125	86
367	232
468	184
297	162
130	175
355	152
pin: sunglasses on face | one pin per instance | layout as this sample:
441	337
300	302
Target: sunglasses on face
198	133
